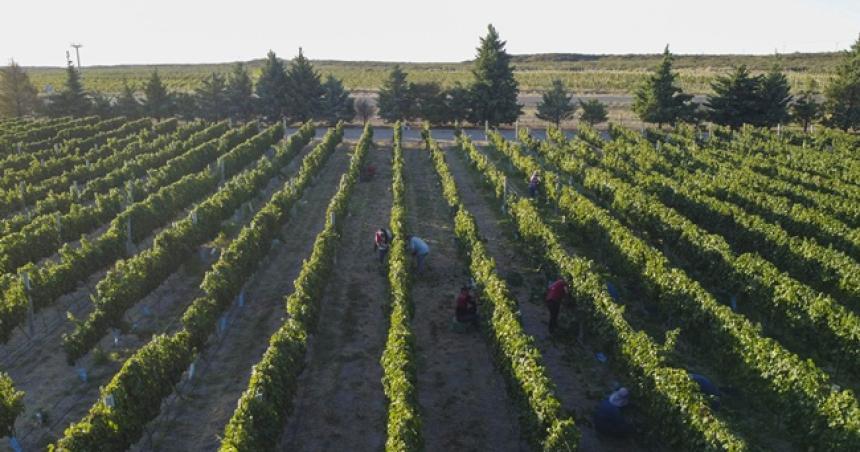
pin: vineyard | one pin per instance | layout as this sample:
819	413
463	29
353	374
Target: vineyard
174	286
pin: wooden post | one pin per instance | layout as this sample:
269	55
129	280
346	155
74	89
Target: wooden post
25	277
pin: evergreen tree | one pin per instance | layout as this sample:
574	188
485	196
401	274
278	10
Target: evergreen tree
774	97
184	105
843	94
428	103
72	100
158	103
211	98
18	96
659	100
556	106
593	112
805	110
239	94
127	104
365	109
336	104
494	92
272	89
459	103
735	100
304	89
395	101
102	105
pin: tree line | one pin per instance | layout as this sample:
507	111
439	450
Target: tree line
738	98
297	92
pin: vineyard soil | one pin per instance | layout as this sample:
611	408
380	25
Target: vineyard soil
464	402
340	404
194	418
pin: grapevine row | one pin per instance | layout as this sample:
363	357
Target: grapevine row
132	279
398	358
515	351
829	417
54	279
807	313
262	409
147	377
672	400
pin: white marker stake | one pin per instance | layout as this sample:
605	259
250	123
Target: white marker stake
191	370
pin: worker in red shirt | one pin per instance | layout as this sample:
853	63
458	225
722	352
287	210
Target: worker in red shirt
467	308
557	291
381	242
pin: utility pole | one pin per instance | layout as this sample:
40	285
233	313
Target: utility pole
78	54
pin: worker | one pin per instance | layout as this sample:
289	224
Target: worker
381	242
711	391
534	184
419	250
466	310
556	292
609	418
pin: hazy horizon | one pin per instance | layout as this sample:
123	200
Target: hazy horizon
193	32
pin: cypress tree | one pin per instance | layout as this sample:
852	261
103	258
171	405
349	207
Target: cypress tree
555	105
735	100
102	105
127	104
659	100
72	100
843	94
806	109
18	96
336	105
774	97
239	94
593	112
494	91
395	102
428	103
158	103
211	98
304	89
458	100
272	89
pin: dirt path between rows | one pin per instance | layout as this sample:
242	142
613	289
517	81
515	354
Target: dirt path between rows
340	404
581	381
463	399
193	418
55	389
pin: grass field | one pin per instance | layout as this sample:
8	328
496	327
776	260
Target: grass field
583	74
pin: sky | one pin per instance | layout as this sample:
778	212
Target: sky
38	33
